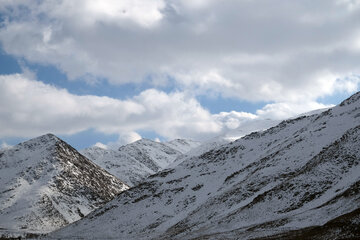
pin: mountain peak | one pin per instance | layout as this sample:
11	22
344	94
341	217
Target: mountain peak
144	140
46	184
352	99
49	137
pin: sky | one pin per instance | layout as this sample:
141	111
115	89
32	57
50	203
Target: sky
115	71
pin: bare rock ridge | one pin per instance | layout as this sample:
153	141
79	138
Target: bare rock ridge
46	184
295	178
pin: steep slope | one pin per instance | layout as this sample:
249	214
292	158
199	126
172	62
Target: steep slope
155	155
120	164
183	145
346	226
300	174
46	184
134	162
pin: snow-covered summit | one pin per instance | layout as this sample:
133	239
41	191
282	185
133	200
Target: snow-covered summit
46	184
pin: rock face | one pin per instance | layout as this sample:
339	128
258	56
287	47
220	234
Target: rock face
46	184
300	175
134	162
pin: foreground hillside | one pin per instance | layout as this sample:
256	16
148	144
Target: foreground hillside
299	175
46	184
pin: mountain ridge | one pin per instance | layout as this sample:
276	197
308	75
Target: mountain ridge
134	162
266	183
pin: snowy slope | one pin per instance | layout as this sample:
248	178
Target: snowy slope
155	155
119	163
134	162
46	184
301	173
183	145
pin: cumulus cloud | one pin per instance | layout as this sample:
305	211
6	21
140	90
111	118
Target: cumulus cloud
288	56
4	145
250	50
30	108
101	145
123	139
232	120
284	110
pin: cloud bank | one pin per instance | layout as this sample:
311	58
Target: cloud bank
29	108
289	54
251	50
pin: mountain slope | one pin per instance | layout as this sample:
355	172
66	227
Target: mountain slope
300	174
134	162
155	155
46	184
183	145
120	164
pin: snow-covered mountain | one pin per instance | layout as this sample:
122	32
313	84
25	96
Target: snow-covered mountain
183	145
300	175
46	184
134	162
119	163
154	155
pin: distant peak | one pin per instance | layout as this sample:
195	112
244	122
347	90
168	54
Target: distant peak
47	138
144	140
354	98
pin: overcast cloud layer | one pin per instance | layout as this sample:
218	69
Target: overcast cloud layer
287	52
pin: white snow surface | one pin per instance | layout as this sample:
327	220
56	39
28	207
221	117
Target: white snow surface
302	172
46	184
183	145
134	162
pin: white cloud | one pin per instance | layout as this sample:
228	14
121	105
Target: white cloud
4	145
244	49
145	13
126	138
351	4
101	145
289	56
284	110
29	108
232	120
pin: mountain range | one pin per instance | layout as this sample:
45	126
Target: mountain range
297	179
134	162
47	184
